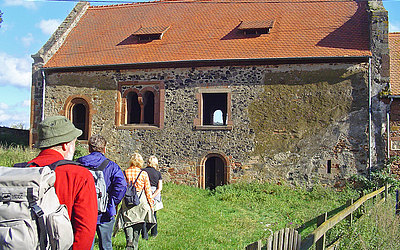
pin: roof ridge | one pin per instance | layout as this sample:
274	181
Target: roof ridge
151	2
207	1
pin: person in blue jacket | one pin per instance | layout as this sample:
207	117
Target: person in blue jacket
116	188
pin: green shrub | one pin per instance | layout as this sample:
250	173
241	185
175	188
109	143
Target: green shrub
378	177
15	154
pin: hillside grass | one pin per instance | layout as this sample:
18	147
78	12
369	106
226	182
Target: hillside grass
235	215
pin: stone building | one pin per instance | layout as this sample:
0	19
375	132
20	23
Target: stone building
223	91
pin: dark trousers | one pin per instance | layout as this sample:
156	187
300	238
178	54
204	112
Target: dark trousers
151	227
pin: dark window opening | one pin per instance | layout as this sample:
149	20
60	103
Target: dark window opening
256	31
215	174
211	103
329	167
133	108
149	37
79	119
148	107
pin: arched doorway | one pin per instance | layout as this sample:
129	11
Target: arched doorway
79	119
215	172
79	111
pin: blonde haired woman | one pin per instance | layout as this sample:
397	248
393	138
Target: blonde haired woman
156	187
132	219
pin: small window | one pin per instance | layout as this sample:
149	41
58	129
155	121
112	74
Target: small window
213	102
150	33
256	27
214	111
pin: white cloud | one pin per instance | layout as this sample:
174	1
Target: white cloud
3	106
26	103
49	26
15	71
27	40
25	3
12	115
394	27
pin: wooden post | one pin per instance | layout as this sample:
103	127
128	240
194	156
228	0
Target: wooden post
350	216
320	244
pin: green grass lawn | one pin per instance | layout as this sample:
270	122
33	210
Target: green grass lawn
234	216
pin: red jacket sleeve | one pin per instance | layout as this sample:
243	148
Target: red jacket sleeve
84	214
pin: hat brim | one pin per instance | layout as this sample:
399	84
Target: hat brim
49	142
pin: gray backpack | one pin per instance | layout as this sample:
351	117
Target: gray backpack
101	187
31	216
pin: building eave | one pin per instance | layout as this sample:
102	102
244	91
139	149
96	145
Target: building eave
213	62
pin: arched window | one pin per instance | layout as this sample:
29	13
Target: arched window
79	115
217	118
140	105
134	110
148	102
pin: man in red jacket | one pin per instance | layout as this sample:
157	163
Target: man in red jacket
74	184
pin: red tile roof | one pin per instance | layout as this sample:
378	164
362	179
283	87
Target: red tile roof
208	30
394	48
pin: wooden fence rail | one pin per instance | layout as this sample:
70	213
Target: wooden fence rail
323	225
319	233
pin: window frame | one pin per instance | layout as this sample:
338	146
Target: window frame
140	88
198	121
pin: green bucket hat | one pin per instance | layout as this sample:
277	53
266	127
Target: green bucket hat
55	130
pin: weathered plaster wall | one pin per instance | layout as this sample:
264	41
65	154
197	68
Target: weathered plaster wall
380	70
288	120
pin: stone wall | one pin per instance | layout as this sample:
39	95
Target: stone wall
380	69
289	121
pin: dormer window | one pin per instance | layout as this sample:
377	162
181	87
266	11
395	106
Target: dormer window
256	27
150	33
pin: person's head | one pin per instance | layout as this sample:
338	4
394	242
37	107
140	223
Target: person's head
136	160
152	162
97	143
58	133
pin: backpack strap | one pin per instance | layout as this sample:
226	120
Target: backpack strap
25	165
103	165
39	214
63	162
135	179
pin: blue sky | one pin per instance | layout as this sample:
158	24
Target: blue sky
27	25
